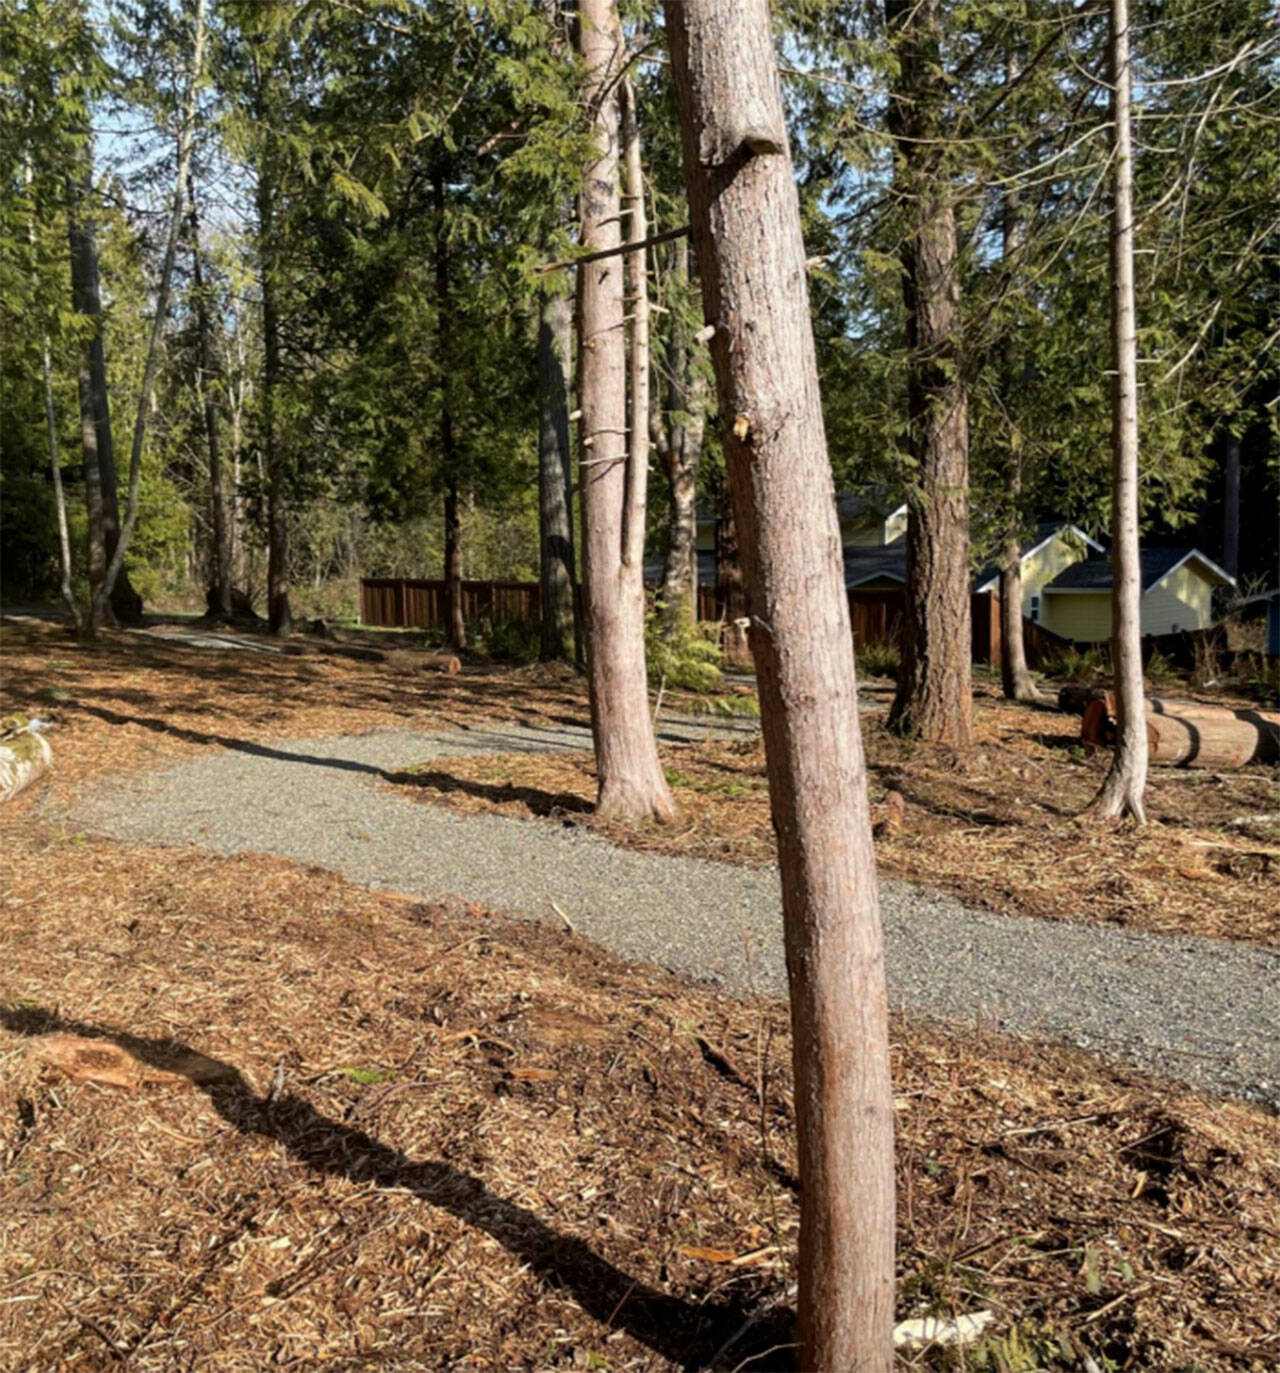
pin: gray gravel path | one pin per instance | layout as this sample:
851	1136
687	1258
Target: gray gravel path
1200	1011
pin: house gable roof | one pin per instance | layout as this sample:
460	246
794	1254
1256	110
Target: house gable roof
1094	574
988	577
877	562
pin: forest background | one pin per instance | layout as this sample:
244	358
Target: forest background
375	187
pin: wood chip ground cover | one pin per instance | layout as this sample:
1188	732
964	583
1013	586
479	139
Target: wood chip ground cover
442	1139
358	1129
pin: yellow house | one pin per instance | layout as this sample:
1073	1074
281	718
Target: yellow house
1177	594
1053	548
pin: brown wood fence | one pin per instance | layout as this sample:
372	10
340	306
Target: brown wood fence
415	603
876	613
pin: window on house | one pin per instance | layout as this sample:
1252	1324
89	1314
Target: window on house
1035	609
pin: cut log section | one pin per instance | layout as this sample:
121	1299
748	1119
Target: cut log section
24	756
1193	733
442	662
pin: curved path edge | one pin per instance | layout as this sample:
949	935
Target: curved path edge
1201	1011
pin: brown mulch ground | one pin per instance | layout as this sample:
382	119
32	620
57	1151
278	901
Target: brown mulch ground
361	1130
134	701
1000	829
355	1129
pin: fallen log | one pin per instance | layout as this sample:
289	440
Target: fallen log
447	663
24	755
1193	733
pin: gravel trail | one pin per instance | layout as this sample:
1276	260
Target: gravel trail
1200	1011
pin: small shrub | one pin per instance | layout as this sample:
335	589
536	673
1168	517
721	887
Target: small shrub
510	641
878	660
1159	670
685	658
1072	664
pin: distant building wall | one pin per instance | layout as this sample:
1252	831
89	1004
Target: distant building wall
1081	616
1181	599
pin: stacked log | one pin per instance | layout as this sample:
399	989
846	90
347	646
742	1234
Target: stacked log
1192	733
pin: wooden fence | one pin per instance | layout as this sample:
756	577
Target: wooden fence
414	603
876	614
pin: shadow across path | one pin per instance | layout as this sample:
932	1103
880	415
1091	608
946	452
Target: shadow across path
688	1335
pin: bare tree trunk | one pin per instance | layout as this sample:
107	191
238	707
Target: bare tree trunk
454	622
1231	506
751	259
1122	791
635	507
186	140
220	588
933	700
59	498
631	781
55	461
555	478
679	423
91	378
1015	677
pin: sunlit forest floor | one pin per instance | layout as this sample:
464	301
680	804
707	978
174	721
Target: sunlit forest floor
348	1128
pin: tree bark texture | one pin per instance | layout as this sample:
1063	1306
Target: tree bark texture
555	479
220	586
1122	791
933	701
751	261
631	782
679	424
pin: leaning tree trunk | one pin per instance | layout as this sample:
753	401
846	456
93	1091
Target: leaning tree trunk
631	782
933	701
555	478
1122	791
220	585
751	259
679	426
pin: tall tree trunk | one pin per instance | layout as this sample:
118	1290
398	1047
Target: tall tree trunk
1122	791
631	782
59	497
933	700
55	461
279	614
95	406
555	478
635	506
751	259
1016	680
455	624
1231	506
220	587
679	423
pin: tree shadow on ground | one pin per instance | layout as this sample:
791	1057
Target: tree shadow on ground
715	1334
539	802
